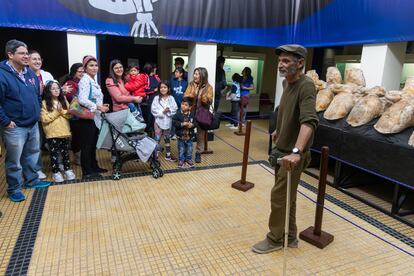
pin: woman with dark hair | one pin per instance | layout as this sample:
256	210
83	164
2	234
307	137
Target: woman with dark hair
90	96
72	79
116	87
246	86
202	93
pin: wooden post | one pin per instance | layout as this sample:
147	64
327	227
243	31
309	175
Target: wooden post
315	235
242	184
206	150
240	132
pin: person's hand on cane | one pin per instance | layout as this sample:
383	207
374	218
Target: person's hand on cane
289	162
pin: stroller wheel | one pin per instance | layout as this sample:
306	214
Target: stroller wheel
155	173
116	175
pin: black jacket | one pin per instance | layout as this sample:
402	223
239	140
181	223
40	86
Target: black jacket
179	118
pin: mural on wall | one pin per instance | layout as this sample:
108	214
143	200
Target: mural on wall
144	24
247	22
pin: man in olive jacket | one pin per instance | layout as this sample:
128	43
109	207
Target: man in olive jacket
295	127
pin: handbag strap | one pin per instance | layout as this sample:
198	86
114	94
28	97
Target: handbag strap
90	91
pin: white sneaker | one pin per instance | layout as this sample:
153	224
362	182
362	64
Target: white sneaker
234	127
229	125
70	175
41	175
57	177
174	137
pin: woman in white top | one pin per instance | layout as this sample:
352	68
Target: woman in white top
163	108
90	96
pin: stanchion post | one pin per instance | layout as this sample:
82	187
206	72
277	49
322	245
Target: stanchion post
242	184
206	150
315	235
240	132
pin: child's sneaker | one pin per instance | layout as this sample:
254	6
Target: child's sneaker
70	175
190	163
57	177
170	157
180	164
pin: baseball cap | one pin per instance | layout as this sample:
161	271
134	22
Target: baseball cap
295	49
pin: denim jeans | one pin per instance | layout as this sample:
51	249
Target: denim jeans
22	154
235	112
185	150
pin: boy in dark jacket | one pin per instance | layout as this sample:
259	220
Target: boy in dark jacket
184	123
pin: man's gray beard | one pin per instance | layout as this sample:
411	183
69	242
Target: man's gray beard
287	73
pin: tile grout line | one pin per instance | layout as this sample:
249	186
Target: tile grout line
23	249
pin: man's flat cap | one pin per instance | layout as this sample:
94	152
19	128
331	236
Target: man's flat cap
295	49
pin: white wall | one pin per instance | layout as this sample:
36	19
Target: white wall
203	55
80	45
382	64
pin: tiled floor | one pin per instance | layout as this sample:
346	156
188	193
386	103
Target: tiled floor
192	223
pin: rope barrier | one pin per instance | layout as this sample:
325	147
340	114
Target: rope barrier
324	207
340	160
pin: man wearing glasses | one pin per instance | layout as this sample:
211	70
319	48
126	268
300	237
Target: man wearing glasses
19	113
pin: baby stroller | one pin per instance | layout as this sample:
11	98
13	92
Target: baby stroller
125	137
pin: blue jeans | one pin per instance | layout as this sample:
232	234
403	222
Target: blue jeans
235	112
22	154
185	150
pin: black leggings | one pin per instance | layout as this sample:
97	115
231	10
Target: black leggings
59	146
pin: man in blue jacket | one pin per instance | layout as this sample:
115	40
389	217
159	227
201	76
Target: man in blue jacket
19	113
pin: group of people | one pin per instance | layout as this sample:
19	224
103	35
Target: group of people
34	113
28	96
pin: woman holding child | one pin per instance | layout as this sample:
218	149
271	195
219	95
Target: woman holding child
115	84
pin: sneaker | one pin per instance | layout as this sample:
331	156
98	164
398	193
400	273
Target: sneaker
174	137
180	164
57	177
229	125
41	175
190	163
170	158
38	185
197	157
234	127
70	175
266	246
17	196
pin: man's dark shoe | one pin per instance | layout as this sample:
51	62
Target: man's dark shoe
197	158
266	246
17	197
293	243
38	185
